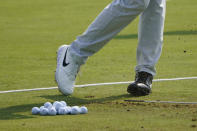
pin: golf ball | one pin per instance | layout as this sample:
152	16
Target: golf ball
52	111
41	107
47	105
62	111
75	110
58	105
83	110
44	111
54	103
63	103
68	109
35	110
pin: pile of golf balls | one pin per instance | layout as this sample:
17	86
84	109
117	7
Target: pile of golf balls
58	108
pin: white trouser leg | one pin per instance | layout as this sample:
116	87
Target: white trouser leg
111	21
150	36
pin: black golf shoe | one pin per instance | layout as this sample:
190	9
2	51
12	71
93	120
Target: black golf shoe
142	84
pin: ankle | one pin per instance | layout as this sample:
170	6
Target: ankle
77	59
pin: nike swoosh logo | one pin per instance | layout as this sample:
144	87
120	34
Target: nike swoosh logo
64	61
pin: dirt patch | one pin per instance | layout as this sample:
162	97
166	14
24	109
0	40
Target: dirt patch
194	119
89	96
193	126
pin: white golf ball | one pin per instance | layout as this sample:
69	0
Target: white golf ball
62	111
41	107
47	105
83	110
44	111
68	109
75	110
52	111
58	105
35	110
54	103
63	103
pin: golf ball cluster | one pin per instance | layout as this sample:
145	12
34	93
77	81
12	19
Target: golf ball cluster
58	108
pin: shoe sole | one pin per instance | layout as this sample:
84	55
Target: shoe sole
138	91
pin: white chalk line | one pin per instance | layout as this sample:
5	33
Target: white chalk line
97	84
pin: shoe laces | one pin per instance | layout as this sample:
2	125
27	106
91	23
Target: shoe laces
144	77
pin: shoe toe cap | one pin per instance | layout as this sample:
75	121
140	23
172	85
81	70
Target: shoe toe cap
142	85
65	86
138	89
65	91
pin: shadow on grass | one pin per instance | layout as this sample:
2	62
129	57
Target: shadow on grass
79	101
181	32
12	112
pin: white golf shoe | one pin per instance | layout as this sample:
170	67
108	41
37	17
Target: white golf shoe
66	70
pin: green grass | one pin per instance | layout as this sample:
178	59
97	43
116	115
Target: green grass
32	30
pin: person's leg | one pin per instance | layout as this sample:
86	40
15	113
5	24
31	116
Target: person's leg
112	20
150	37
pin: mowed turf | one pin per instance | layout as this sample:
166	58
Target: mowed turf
32	30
